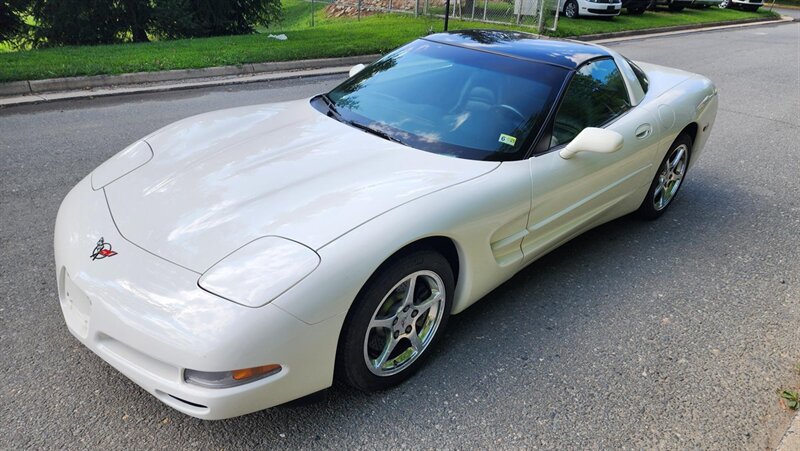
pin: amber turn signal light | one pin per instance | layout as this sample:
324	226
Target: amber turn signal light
248	373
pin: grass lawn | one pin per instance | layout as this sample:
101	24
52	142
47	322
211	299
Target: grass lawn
660	18
329	38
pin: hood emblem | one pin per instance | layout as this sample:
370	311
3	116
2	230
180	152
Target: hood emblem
102	250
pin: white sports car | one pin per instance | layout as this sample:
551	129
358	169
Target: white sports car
240	259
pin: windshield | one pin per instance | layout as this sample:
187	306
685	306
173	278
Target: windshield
449	100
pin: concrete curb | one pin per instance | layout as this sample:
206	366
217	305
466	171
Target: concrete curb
791	440
137	78
177	85
49	90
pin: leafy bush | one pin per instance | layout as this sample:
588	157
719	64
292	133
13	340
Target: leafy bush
12	26
194	18
87	22
74	22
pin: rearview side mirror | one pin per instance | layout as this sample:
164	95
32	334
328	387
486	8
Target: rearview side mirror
592	139
356	69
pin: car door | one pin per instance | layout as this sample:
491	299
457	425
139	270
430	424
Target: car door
572	195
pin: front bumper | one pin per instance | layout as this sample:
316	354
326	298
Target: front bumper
600	9
148	318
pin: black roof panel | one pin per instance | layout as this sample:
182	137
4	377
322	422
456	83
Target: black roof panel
568	54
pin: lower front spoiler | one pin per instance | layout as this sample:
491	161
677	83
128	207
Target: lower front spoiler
148	318
165	381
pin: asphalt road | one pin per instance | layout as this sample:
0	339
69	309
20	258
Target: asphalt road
667	334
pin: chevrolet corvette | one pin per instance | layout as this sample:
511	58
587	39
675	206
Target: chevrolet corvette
240	259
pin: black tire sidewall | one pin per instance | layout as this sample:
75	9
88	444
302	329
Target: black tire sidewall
351	368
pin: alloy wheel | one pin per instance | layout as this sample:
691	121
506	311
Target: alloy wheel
670	177
404	323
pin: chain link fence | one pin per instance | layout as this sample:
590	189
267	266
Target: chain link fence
539	15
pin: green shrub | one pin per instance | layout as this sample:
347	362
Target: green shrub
73	22
90	22
196	18
12	25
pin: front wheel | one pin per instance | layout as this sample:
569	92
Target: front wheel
668	179
725	4
398	316
571	9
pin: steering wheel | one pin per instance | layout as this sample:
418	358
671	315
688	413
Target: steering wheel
512	110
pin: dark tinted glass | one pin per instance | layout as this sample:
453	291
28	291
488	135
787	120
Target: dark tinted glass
595	95
451	100
640	76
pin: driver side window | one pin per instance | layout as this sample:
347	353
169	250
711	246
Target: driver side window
595	96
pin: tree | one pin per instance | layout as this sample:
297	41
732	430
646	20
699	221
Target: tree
12	25
195	18
88	22
136	15
75	22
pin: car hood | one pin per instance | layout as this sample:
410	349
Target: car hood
221	180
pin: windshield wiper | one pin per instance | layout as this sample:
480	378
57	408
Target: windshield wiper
379	133
335	112
331	106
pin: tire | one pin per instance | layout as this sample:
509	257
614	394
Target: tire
726	4
571	9
637	11
668	179
752	9
675	8
381	324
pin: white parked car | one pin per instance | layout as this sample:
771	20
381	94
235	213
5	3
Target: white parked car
595	8
243	258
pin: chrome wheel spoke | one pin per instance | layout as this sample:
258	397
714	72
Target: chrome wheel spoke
430	302
658	194
416	344
412	285
385	323
677	158
391	343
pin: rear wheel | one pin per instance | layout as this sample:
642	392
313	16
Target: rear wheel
668	179
398	316
571	9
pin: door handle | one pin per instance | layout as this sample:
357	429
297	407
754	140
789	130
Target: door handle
643	131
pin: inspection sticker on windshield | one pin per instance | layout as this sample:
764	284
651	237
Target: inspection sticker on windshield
507	139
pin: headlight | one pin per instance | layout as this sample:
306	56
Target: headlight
260	271
132	157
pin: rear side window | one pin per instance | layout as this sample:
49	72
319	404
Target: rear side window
640	76
595	96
